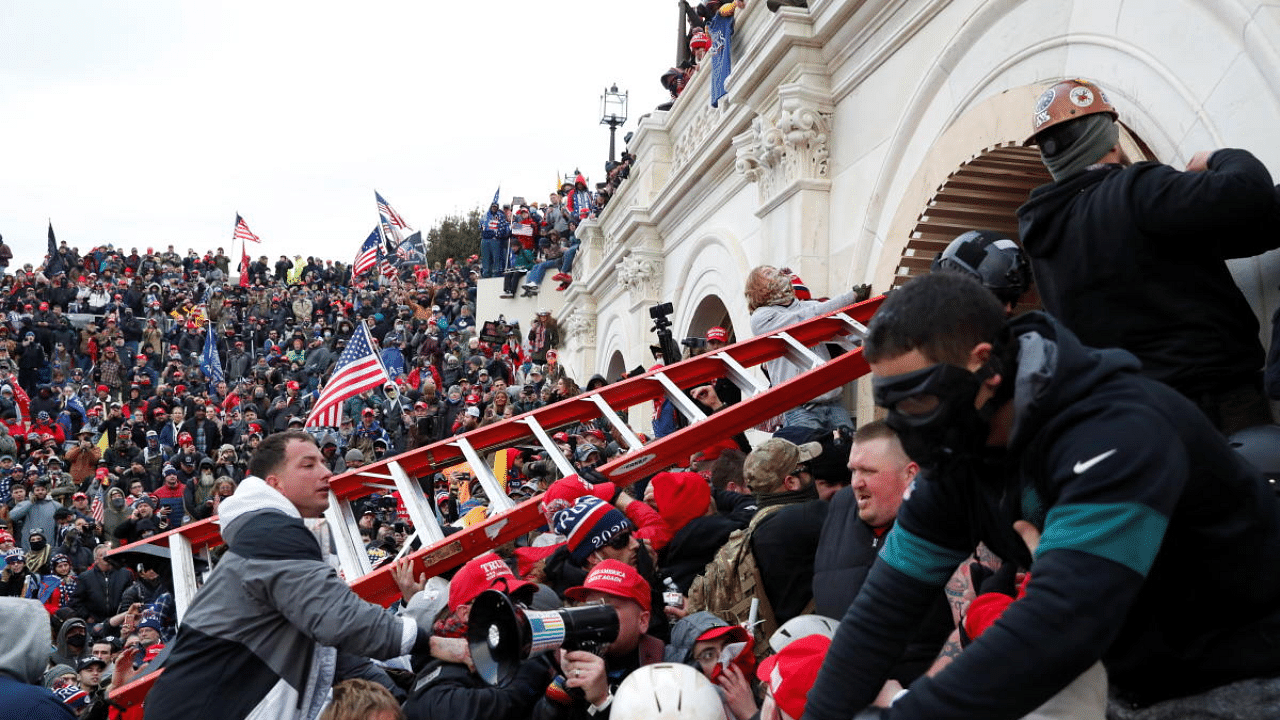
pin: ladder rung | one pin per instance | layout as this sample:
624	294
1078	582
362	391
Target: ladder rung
855	328
632	441
798	354
421	510
346	538
380	476
741	376
677	396
565	467
499	501
182	561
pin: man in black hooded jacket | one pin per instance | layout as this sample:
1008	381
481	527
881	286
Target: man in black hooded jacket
1130	487
1132	255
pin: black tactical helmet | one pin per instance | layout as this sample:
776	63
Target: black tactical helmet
993	259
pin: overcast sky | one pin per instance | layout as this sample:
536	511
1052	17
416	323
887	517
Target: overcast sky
149	123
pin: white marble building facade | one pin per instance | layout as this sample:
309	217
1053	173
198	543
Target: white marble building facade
858	134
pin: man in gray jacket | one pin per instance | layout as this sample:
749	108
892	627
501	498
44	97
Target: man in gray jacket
36	511
274	627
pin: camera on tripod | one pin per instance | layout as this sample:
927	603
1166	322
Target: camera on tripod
659	314
502	634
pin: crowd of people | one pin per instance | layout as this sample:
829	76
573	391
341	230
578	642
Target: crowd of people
524	243
1011	540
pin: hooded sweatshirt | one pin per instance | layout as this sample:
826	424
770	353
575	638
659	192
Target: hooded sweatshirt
24	654
1130	486
262	636
1133	257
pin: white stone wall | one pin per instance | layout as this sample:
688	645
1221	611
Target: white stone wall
841	122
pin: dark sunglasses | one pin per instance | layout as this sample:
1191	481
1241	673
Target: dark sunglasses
620	541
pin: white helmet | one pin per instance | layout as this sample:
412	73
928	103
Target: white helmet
667	691
801	626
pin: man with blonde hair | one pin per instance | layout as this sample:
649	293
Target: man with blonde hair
774	306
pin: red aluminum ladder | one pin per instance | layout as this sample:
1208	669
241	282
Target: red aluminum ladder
507	520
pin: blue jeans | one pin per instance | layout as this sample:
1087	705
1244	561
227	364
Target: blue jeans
825	417
566	263
490	257
539	270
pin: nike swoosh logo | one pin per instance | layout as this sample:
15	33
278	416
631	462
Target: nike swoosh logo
1082	467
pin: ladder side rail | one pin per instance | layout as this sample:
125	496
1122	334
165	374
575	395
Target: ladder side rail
735	418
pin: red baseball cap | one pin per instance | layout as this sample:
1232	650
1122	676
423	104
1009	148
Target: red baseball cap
793	671
718	334
616	578
484	572
745	659
595	433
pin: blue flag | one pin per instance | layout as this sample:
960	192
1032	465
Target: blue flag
721	30
210	363
495	197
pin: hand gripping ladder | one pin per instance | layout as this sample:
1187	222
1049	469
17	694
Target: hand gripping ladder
507	521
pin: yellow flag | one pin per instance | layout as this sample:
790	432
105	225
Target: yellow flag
102	441
295	272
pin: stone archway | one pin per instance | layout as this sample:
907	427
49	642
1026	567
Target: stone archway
617	365
984	193
710	312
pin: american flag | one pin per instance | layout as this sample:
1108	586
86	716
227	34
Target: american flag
243	232
384	265
359	369
389	215
368	256
96	510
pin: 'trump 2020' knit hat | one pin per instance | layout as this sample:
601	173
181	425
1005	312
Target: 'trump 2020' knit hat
590	523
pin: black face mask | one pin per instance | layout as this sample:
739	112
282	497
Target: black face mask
932	410
117	503
37	545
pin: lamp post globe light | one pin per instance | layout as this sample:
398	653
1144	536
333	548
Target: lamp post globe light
613	112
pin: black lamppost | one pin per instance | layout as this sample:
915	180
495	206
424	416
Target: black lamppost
613	112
